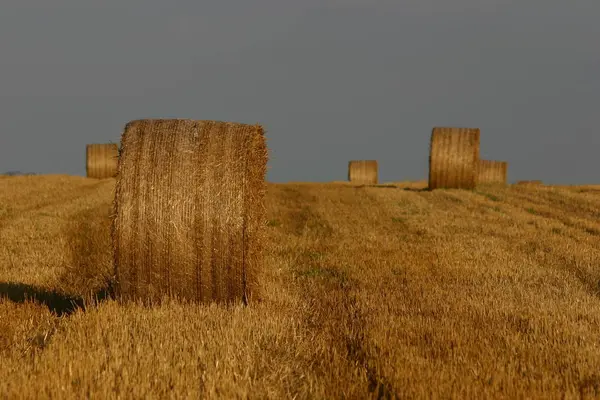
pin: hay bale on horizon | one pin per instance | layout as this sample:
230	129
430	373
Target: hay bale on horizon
363	172
189	210
453	158
492	172
101	160
529	183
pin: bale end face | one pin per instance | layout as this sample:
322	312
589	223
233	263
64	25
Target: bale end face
492	172
101	160
363	172
189	210
453	158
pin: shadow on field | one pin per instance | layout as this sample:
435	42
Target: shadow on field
417	190
87	277
89	271
56	302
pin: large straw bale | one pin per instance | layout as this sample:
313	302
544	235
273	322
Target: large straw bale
101	160
453	158
492	172
364	172
189	210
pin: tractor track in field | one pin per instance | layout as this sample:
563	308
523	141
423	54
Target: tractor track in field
331	293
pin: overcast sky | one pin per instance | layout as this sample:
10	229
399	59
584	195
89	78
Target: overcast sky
331	80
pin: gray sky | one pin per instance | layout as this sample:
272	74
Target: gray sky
330	80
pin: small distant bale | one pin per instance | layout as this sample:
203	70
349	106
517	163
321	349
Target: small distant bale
101	160
492	172
18	173
363	172
454	158
189	211
529	183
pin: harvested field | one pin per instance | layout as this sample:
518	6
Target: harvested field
369	292
101	160
453	158
580	188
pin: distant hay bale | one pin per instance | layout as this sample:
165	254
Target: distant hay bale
101	160
529	183
363	172
453	158
492	172
189	210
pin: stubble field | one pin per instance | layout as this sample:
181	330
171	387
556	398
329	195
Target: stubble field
368	292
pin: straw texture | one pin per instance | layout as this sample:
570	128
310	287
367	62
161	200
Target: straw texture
453	158
492	172
364	172
189	210
101	160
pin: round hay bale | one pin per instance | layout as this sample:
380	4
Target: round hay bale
363	172
453	158
101	160
492	172
189	210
